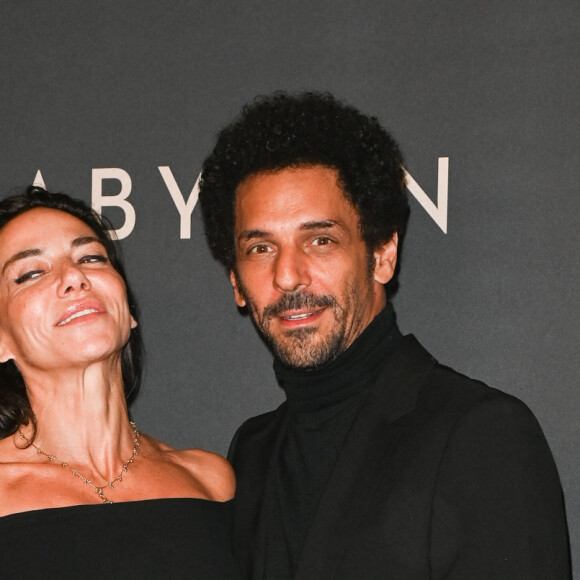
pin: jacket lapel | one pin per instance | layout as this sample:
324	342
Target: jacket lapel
254	464
362	465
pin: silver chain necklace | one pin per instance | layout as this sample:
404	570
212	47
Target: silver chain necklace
99	489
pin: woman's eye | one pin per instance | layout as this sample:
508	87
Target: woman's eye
28	276
93	258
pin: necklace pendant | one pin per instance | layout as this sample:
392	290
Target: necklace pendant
98	490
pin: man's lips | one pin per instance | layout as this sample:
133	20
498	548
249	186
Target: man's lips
298	309
300	317
79	310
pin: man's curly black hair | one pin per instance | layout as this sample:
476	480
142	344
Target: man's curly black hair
281	130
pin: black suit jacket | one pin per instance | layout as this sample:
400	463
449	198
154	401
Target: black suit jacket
441	477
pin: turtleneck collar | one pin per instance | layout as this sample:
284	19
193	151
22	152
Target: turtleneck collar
353	371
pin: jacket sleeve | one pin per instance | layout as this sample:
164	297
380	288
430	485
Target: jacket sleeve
498	509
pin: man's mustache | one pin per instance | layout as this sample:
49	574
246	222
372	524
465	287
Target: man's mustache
297	301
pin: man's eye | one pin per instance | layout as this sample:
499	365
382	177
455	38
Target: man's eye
93	258
260	249
322	241
33	274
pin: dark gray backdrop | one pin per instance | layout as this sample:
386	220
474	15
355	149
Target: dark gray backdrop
493	85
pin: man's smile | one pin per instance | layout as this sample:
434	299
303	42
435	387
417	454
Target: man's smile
301	318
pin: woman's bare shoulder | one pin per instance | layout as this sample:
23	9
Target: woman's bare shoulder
10	449
213	472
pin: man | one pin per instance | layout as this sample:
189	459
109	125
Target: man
381	463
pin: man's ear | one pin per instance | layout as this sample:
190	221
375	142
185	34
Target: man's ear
238	296
385	257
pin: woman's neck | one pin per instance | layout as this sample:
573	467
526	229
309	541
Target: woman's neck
81	417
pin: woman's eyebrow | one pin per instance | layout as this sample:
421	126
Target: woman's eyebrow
84	240
21	256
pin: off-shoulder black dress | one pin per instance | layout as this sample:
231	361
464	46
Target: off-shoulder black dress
160	538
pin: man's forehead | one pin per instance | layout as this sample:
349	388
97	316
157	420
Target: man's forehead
331	173
296	187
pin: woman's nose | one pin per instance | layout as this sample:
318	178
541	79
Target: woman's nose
72	278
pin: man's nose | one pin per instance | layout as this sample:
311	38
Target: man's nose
291	270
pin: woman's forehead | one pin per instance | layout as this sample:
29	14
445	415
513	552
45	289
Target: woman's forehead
41	227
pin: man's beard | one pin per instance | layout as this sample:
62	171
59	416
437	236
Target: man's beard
298	347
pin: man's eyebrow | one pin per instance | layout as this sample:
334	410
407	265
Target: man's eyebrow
21	256
248	235
319	225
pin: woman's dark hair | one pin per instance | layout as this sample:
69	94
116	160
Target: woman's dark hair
15	408
279	131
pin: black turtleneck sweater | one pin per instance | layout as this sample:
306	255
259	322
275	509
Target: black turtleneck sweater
323	404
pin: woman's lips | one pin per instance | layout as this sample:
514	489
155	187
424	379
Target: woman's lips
77	315
79	310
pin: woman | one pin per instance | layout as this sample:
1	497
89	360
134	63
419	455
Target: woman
69	359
